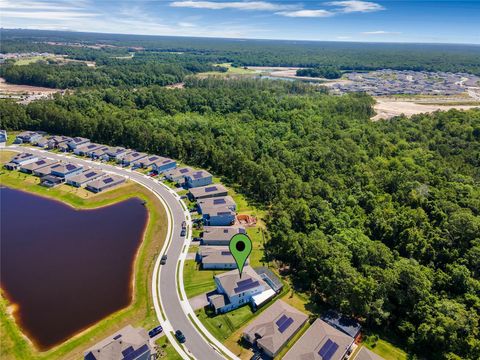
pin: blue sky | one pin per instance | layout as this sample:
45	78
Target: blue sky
336	20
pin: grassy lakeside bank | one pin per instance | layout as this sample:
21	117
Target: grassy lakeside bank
13	343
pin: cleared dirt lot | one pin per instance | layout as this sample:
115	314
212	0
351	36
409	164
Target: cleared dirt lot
388	108
6	89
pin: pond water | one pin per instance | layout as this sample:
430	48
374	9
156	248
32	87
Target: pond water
65	269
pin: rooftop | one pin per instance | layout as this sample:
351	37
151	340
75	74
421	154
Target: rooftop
365	354
199	174
218	201
320	342
221	232
65	167
275	326
86	175
216	255
208	190
232	284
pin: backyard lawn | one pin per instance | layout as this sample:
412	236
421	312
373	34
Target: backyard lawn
197	281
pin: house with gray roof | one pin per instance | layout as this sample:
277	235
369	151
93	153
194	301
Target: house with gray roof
87	149
233	292
20	160
105	182
218	201
274	327
131	157
30	168
218	216
46	170
65	170
219	235
216	257
128	343
41	143
84	177
163	164
27	137
321	342
55	141
76	142
209	191
178	175
99	153
147	161
198	178
115	153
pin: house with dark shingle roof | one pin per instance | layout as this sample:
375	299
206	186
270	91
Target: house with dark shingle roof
274	327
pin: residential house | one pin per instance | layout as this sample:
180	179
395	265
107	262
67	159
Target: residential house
219	235
55	141
321	342
86	149
100	153
274	327
116	153
66	170
105	182
163	164
343	323
44	171
198	178
76	142
84	177
218	216
27	137
3	136
19	160
216	257
91	148
30	168
41	143
218	201
208	191
233	292
132	157
50	181
147	161
178	175
128	343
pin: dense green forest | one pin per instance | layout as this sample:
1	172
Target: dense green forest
380	220
320	72
342	55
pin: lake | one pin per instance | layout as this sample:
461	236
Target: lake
66	269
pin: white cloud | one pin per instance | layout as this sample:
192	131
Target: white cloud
351	6
380	32
186	24
306	13
35	9
344	37
238	5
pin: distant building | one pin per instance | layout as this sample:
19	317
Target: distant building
208	191
131	157
274	327
198	178
105	182
41	143
216	257
20	160
30	168
127	344
76	142
178	175
163	164
27	137
83	149
84	177
66	170
55	141
219	235
100	153
116	153
321	342
233	292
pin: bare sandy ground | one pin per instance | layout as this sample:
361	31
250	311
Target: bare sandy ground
6	88
388	108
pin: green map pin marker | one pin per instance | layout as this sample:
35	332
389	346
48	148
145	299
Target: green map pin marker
240	246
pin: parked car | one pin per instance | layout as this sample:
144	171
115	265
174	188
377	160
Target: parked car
163	260
197	239
155	331
183	232
184	224
152	174
180	337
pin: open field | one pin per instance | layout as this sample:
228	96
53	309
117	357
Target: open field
197	281
14	345
6	88
387	108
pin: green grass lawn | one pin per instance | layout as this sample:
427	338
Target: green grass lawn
197	281
166	350
223	325
385	349
256	257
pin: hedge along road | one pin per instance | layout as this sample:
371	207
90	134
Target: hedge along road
172	312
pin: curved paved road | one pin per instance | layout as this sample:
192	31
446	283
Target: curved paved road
172	306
